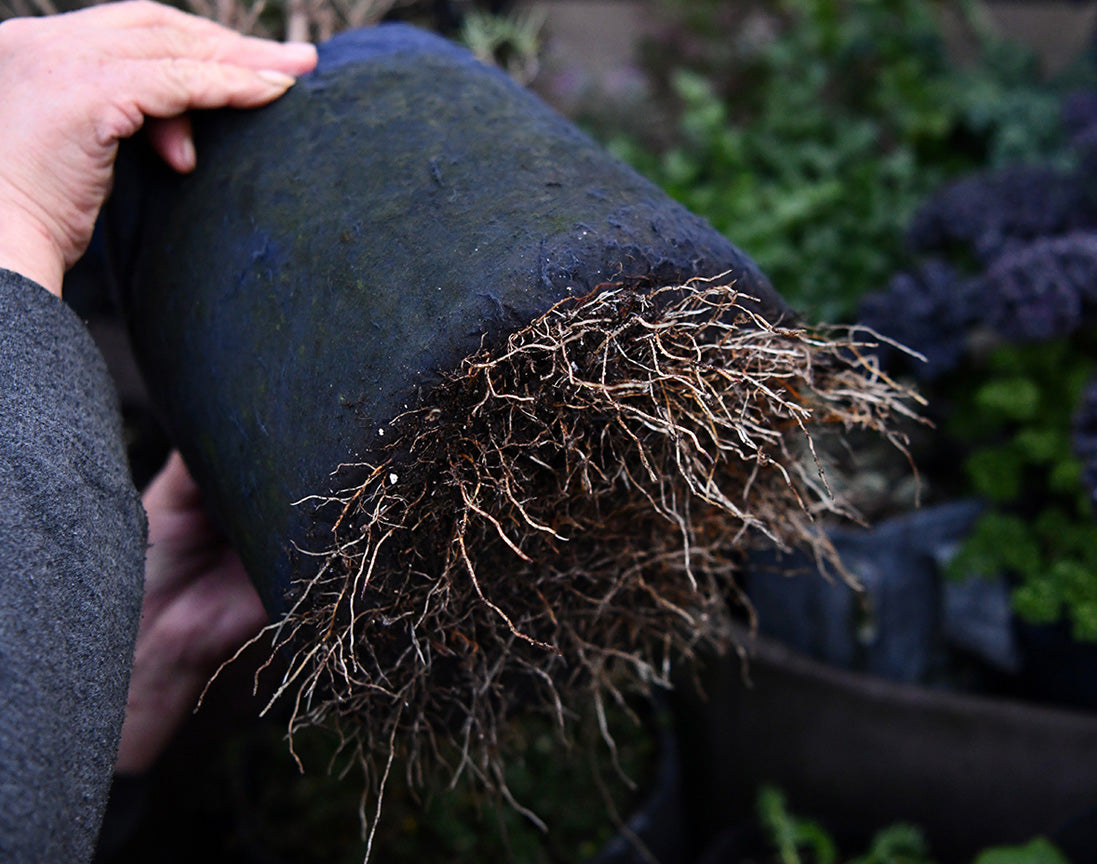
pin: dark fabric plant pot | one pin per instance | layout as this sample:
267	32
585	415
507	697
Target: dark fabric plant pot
659	823
897	625
1057	667
860	753
334	251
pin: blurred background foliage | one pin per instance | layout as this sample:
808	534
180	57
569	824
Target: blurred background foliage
1000	298
808	130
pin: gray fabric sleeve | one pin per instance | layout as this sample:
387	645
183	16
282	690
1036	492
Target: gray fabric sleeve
72	545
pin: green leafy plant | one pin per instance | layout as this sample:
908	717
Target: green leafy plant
1038	851
811	149
791	834
796	840
512	42
1014	412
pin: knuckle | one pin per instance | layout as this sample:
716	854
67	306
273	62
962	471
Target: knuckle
189	80
114	122
180	74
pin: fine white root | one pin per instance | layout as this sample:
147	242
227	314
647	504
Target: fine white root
566	514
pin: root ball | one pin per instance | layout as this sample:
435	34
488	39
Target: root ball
563	518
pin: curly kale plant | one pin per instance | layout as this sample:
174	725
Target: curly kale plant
1011	251
1014	413
1043	289
1005	313
929	311
988	212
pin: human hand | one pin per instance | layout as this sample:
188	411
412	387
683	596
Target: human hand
199	607
72	85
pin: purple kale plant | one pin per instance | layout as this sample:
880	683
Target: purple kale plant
989	212
929	311
1041	290
1079	113
1012	252
1005	303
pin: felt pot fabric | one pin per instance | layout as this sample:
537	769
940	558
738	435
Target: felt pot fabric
334	251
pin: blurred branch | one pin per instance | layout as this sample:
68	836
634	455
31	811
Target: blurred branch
361	13
249	23
226	12
201	7
297	21
317	20
26	8
978	21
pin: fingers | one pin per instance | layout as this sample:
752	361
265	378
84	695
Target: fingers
165	88
156	31
173	140
230	613
172	489
204	40
161	62
72	85
186	632
217	44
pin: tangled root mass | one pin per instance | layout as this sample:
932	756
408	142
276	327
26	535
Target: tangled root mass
566	515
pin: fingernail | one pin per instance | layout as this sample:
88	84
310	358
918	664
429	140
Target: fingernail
299	50
276	78
186	153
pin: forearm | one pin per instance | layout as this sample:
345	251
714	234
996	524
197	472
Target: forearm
72	531
72	543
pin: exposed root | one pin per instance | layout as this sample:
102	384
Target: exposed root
565	516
